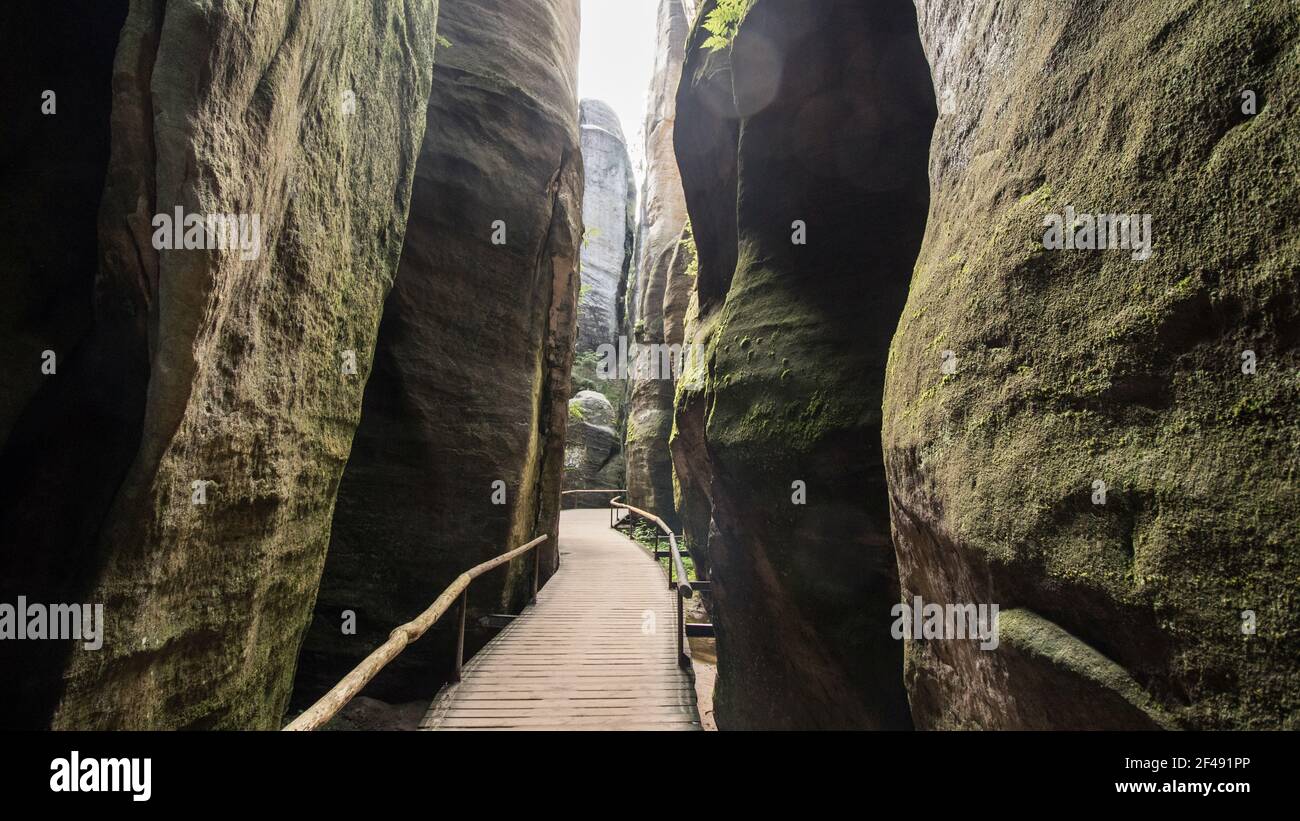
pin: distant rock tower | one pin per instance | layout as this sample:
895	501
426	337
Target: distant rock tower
607	212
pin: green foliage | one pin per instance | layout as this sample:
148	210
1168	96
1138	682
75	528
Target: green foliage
443	42
724	22
687	244
644	534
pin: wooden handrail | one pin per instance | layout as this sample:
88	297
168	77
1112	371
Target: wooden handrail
682	585
333	701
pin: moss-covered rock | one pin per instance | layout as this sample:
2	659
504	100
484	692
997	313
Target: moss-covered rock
593	453
1078	367
471	380
310	116
832	101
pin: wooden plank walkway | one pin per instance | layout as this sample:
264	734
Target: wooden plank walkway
597	651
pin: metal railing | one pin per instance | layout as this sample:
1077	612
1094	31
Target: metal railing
683	586
398	640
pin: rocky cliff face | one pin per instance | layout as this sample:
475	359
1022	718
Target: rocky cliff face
471	379
609	220
609	205
663	218
1098	460
833	99
213	379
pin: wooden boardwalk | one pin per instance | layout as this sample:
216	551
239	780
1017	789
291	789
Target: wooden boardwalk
597	651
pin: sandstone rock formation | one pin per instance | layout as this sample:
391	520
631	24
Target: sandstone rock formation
471	379
833	98
692	474
609	205
663	217
609	220
1074	368
181	468
593	455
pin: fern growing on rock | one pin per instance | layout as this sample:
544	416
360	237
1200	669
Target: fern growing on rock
724	22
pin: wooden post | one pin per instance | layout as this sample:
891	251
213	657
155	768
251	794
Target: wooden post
671	586
681	630
537	572
460	634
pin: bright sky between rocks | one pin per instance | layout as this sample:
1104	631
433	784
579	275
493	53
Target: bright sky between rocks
618	58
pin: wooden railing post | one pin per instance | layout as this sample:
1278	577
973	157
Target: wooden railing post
681	630
460	634
537	573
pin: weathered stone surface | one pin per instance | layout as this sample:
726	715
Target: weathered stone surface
609	219
225	369
1075	367
833	98
692	473
593	453
663	217
471	378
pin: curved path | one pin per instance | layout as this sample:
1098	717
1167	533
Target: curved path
597	651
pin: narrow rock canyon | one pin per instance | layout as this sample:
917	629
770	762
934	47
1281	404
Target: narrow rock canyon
594	451
956	343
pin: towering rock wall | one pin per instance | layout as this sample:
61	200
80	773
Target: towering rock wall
609	220
1097	462
594	449
834	103
663	218
471	379
212	380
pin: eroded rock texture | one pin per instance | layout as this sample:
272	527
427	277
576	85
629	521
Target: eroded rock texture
1077	367
834	103
593	456
608	205
663	217
224	367
471	378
